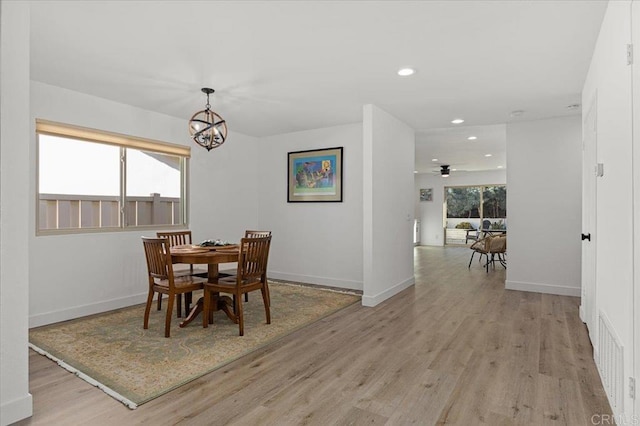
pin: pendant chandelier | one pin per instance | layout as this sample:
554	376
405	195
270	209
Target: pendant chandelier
206	127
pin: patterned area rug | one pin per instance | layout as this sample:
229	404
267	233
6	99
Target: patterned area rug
113	352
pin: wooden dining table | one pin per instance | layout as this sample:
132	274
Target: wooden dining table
211	256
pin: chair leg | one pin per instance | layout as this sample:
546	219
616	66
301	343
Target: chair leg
266	286
147	309
239	313
265	299
246	297
159	301
167	321
471	260
179	306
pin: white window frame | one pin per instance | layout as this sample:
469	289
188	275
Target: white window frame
68	131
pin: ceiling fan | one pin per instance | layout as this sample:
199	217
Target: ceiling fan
445	170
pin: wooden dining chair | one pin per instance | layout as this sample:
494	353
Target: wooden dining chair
251	275
255	234
180	238
162	280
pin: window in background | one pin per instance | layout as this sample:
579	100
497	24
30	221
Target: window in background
494	203
463	202
467	207
95	180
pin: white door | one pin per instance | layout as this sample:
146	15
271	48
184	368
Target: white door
589	199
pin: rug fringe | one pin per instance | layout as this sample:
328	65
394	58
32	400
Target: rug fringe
113	394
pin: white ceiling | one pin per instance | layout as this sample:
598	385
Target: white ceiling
283	66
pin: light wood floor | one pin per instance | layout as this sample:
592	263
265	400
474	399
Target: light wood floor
455	349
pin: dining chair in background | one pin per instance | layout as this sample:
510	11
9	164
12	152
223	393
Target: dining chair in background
480	247
180	238
498	250
251	276
495	245
472	234
163	281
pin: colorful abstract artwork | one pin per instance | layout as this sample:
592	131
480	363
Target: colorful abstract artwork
315	175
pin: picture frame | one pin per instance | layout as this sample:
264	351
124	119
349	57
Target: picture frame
315	176
426	194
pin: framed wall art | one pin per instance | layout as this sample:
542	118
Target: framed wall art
426	194
315	175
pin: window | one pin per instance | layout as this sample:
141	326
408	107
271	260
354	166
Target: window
494	202
474	207
463	202
92	180
476	202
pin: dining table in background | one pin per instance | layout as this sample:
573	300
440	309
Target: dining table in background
211	256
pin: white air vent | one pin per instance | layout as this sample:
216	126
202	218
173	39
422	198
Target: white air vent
609	359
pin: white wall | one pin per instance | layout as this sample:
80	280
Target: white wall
544	205
318	243
635	19
609	79
388	212
81	274
430	213
223	188
15	400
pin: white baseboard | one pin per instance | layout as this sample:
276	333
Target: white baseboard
374	300
310	279
582	314
83	310
543	288
18	409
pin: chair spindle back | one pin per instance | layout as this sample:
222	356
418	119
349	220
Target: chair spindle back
253	257
176	238
158	257
256	234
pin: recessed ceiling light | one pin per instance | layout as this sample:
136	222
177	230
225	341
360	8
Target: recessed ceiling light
415	171
434	159
405	72
488	155
499	167
516	113
457	121
472	138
